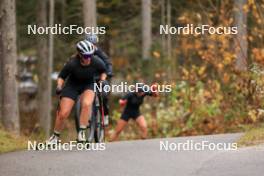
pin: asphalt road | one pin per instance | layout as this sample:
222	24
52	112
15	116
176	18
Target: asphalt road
139	158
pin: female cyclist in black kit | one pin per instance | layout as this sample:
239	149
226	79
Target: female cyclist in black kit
77	78
133	101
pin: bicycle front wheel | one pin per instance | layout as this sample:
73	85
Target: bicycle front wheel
91	131
99	134
92	123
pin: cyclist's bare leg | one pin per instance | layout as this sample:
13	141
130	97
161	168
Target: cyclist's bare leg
119	128
87	99
63	112
143	126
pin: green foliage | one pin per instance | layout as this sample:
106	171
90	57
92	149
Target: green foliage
9	142
253	136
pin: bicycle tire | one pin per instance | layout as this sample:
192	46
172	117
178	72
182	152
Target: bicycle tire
91	129
99	130
77	115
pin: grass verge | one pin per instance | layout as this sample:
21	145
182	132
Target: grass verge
253	136
10	142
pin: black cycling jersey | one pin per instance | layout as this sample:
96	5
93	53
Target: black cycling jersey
76	73
132	109
102	55
80	78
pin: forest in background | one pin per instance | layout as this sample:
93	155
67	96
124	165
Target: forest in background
217	79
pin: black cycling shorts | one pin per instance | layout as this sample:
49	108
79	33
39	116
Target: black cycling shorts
126	115
73	91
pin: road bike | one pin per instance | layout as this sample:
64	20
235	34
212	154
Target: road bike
96	127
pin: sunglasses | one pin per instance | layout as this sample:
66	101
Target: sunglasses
87	56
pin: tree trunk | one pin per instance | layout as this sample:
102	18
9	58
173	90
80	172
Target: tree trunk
89	13
169	24
63	12
10	112
146	28
44	87
241	42
163	18
1	81
51	38
169	40
50	64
